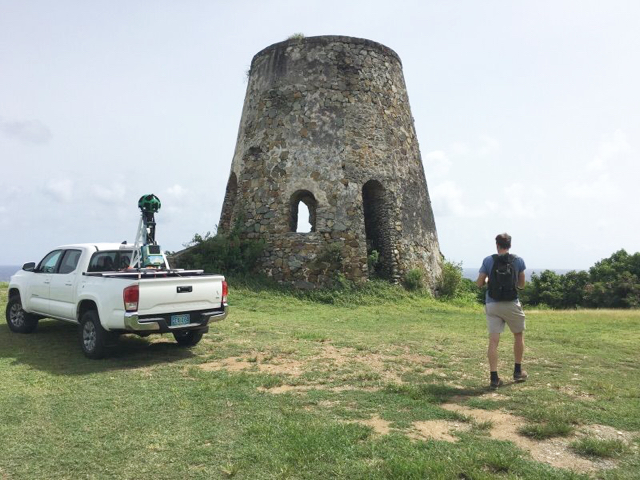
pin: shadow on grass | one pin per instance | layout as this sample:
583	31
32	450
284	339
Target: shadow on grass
436	392
54	348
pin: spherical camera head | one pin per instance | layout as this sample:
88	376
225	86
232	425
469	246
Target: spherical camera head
149	203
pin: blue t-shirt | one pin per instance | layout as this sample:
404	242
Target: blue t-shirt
487	265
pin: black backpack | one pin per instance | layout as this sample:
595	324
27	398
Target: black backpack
503	278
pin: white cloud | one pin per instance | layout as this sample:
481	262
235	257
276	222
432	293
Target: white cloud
436	163
29	131
524	202
4	216
610	147
600	189
10	191
447	200
458	148
61	190
109	195
177	191
489	146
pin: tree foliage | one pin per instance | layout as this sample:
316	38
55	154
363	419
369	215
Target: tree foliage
613	282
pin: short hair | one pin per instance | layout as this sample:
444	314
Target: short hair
504	240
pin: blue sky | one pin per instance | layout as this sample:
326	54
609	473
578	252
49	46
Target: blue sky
526	114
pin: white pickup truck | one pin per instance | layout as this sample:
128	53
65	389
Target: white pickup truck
93	286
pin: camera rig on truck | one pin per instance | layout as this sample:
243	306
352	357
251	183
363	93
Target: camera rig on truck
146	251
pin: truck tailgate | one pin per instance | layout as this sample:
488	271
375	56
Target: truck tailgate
179	294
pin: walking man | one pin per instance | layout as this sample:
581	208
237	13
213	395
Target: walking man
504	274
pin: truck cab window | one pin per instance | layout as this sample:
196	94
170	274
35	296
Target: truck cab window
102	262
48	263
109	261
69	261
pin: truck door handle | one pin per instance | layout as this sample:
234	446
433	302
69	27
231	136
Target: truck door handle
68	284
185	289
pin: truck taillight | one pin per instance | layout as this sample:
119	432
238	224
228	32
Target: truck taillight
225	291
131	295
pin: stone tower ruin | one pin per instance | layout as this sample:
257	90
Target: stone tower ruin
326	123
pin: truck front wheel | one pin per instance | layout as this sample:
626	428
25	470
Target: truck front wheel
18	320
93	338
190	338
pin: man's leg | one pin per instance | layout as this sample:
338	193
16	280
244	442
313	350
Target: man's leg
518	352
515	318
495	325
492	352
518	347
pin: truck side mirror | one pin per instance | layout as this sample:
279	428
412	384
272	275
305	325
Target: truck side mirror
29	267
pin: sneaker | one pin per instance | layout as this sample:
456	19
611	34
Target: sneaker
495	384
520	377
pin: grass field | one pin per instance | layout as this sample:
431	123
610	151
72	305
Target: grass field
382	385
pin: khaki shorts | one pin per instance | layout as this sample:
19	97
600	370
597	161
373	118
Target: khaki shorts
499	313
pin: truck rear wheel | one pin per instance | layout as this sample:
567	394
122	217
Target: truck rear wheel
93	338
190	338
18	320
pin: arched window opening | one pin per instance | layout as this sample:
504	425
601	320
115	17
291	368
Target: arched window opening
303	212
304	225
376	226
229	201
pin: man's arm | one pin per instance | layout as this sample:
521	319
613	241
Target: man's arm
521	280
482	279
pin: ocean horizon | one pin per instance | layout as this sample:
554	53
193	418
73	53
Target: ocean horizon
7	270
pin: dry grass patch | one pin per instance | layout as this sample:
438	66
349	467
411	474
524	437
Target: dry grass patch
259	362
338	363
436	430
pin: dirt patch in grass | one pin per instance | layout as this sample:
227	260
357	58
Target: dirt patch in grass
305	388
436	430
604	432
287	389
555	451
577	394
273	365
385	367
231	364
379	425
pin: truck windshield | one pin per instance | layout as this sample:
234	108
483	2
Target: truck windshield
110	260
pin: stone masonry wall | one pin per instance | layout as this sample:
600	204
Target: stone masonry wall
326	115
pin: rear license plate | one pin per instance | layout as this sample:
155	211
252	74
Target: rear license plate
183	319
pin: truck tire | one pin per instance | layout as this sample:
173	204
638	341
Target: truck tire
93	338
190	338
18	320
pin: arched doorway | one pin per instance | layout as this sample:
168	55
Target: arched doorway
377	229
229	201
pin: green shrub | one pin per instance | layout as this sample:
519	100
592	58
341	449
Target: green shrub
225	253
451	279
413	280
373	261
